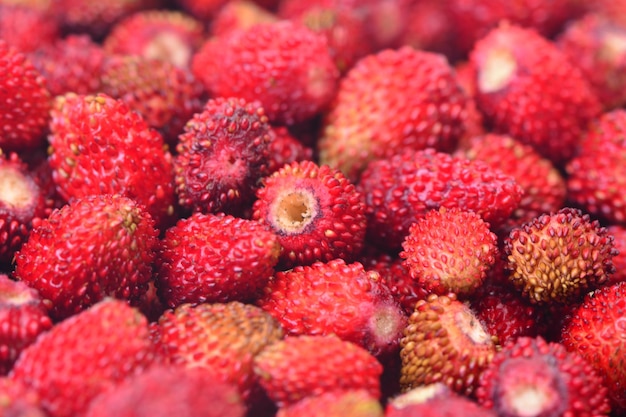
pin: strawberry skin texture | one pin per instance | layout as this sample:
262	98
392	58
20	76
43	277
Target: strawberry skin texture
215	258
303	366
25	101
99	146
91	248
284	65
347	403
390	101
26	28
402	189
84	355
528	88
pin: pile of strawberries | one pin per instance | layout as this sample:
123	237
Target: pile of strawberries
355	208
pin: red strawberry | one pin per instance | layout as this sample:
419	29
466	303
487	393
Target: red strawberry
215	258
528	88
402	189
434	400
204	10
314	210
533	377
597	174
430	28
348	403
92	248
303	366
285	149
27	28
222	154
222	339
165	95
444	342
240	15
169	391
336	298
597	44
72	64
17	400
284	65
595	331
450	251
169	35
24	101
99	146
544	186
558	257
85	355
391	101
23	317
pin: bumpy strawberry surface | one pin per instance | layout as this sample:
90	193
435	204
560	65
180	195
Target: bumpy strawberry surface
26	28
99	146
390	101
402	189
336	298
91	248
84	355
215	258
284	65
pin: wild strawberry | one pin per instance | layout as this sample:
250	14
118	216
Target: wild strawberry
430	28
284	65
450	251
594	330
92	248
303	366
222	154
544	186
163	391
558	257
240	15
391	101
215	258
434	400
597	44
444	342
165	95
528	88
24	102
23	317
532	377
25	28
72	64
348	403
316	212
402	189
336	298
596	175
169	35
221	338
285	149
81	357
99	146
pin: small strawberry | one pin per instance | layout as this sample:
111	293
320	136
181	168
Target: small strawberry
92	248
284	65
527	88
165	391
304	366
595	331
24	102
222	154
444	342
26	28
81	357
215	258
450	251
99	146
221	338
429	27
336	298
532	377
348	403
285	149
23	317
316	212
558	257
402	189
170	35
391	101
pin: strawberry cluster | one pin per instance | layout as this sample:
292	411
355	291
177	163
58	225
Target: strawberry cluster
277	208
